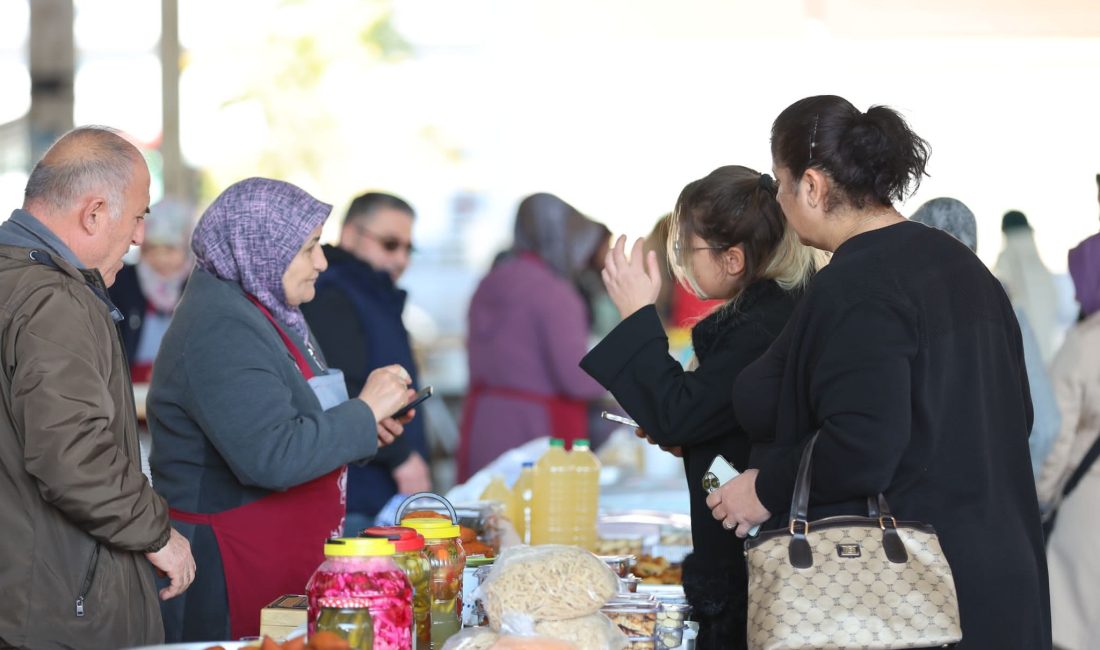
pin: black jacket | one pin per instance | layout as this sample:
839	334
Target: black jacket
906	354
692	410
356	318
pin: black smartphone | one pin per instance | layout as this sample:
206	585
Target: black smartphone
421	395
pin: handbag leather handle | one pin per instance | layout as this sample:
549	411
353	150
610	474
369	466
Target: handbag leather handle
877	508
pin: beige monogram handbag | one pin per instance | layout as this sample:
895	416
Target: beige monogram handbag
843	582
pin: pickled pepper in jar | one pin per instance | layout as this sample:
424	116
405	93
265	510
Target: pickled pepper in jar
447	559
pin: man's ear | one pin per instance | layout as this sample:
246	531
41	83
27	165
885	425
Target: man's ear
93	214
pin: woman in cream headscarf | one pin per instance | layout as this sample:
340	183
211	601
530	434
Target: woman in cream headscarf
252	431
147	293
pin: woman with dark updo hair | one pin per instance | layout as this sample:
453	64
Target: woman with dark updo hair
906	357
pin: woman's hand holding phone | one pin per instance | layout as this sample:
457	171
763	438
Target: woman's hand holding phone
387	390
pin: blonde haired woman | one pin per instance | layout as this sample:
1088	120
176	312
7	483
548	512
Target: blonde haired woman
728	240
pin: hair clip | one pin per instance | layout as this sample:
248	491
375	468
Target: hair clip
813	139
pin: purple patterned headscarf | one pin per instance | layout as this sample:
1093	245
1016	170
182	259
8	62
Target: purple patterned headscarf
250	234
1084	268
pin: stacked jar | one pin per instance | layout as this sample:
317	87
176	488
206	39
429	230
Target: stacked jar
360	593
448	560
413	560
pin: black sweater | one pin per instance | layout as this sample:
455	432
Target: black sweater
692	410
905	353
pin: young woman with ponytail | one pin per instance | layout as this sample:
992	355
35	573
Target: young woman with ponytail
727	240
906	356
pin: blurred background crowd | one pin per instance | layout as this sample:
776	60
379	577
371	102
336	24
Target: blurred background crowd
434	127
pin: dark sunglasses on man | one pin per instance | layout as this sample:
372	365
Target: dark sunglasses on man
389	244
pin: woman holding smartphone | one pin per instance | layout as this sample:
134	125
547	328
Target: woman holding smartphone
729	240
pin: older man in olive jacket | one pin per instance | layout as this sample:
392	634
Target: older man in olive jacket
81	529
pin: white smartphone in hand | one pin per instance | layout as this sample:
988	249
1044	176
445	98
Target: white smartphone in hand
618	418
720	472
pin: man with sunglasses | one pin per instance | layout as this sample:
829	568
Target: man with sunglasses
356	317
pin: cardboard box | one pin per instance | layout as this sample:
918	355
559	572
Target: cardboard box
283	615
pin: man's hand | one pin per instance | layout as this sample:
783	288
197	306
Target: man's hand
174	561
631	284
413	475
736	505
388	430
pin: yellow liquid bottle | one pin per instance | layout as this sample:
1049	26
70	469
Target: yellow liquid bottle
550	501
497	490
521	498
586	494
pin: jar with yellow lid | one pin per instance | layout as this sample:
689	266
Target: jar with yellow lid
360	593
413	560
447	560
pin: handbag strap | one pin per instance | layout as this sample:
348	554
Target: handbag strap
798	549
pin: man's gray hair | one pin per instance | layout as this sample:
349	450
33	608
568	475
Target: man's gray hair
104	164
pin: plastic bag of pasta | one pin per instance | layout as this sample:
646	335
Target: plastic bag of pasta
592	632
478	638
532	584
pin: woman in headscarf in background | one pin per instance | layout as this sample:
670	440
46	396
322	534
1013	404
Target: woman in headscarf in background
528	329
147	293
953	217
252	431
1070	478
1030	285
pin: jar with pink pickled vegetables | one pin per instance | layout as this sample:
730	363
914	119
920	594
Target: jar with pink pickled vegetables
362	572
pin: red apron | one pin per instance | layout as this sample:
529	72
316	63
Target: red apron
271	547
568	418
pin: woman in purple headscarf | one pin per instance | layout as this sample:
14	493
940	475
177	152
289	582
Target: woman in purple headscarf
251	430
1069	481
528	329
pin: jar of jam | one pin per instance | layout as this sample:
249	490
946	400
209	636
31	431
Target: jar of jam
447	560
360	574
413	560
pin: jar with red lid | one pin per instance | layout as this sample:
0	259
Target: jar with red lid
358	573
413	560
447	559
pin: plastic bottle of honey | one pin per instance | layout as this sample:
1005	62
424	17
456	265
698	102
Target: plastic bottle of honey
521	499
552	498
586	494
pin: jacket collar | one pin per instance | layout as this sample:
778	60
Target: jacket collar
24	230
379	280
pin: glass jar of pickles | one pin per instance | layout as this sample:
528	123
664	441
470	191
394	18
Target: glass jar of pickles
447	560
360	574
413	560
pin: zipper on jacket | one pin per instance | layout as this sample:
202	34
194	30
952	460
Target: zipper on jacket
88	577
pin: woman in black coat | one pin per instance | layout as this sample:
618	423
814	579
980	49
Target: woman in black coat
906	356
728	240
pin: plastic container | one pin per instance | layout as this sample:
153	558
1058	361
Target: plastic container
620	564
522	493
553	497
361	574
634	619
448	560
586	494
473	610
413	560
